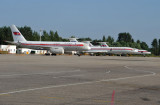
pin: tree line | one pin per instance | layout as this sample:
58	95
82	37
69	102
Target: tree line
29	34
123	40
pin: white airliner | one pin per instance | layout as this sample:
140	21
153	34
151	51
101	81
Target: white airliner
114	50
104	48
138	52
53	47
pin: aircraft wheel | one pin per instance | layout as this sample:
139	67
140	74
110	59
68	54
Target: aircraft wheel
53	54
47	54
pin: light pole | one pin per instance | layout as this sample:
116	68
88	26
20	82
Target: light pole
41	33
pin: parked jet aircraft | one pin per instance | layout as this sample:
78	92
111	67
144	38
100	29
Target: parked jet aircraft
115	50
104	48
53	47
138	52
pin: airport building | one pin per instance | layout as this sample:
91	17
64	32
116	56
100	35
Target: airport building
30	51
23	51
11	49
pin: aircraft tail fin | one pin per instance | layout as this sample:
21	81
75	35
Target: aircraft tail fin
16	34
103	44
73	39
88	42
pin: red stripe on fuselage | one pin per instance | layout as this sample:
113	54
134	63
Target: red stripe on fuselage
108	49
53	44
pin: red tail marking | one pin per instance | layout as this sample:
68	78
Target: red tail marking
16	33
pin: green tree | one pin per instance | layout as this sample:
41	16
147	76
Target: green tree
124	37
104	38
138	46
85	39
116	44
5	34
110	40
144	45
155	46
45	36
95	42
26	32
51	33
36	36
56	37
138	41
133	45
73	36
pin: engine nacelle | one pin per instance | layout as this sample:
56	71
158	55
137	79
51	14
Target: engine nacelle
57	50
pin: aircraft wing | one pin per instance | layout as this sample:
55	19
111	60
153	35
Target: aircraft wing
10	42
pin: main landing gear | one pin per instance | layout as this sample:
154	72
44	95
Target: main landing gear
50	54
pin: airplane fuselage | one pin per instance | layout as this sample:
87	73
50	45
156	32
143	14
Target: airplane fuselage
67	46
114	50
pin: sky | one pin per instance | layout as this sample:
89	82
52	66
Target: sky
86	18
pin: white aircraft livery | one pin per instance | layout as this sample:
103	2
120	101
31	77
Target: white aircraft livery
114	50
138	52
53	47
104	48
118	50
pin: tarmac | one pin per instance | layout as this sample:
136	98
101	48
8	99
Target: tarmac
73	80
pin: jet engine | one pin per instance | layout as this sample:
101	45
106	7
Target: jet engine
57	50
